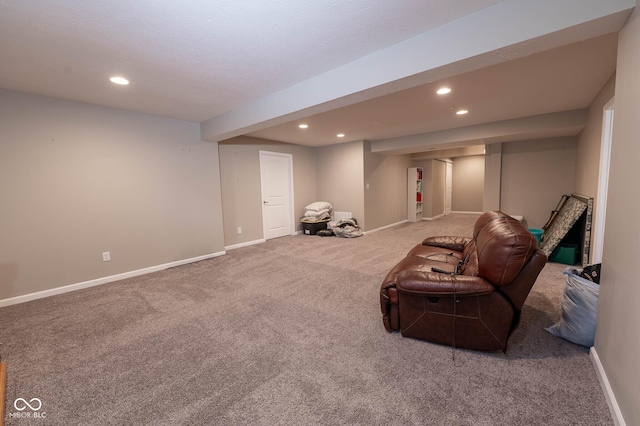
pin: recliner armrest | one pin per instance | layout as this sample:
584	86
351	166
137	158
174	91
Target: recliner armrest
437	284
449	243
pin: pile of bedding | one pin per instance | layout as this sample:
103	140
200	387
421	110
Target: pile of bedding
317	212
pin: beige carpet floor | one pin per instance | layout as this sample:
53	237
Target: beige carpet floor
288	332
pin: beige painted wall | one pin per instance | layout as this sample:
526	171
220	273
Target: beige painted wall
427	186
492	177
588	152
589	143
535	174
468	184
618	335
340	177
241	193
438	172
433	176
385	194
77	180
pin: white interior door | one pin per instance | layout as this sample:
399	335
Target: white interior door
448	187
276	171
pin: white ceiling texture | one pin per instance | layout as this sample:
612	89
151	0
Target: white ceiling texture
365	68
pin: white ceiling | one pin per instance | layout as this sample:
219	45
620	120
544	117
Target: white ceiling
200	60
196	59
561	79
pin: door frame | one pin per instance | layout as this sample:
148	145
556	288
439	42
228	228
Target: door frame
603	181
448	182
289	158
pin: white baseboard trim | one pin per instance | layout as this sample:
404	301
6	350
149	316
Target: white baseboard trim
104	280
618	420
386	227
246	244
434	217
459	212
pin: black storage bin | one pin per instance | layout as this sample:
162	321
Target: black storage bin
311	228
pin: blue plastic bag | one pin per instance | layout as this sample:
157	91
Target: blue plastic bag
579	310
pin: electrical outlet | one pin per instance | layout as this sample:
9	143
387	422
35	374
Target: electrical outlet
106	256
239	230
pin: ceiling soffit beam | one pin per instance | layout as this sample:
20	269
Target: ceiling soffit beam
472	135
450	153
518	28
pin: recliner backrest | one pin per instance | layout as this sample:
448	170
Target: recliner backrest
484	219
503	247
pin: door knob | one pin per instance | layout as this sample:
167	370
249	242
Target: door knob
265	202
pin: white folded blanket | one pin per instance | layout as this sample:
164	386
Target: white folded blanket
312	219
313	213
318	206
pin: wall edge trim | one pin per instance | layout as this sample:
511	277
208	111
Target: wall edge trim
434	217
245	244
391	225
104	280
614	408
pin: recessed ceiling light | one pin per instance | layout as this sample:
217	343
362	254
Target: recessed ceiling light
119	80
340	135
443	91
303	126
462	112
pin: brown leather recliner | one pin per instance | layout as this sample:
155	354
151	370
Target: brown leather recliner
475	302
